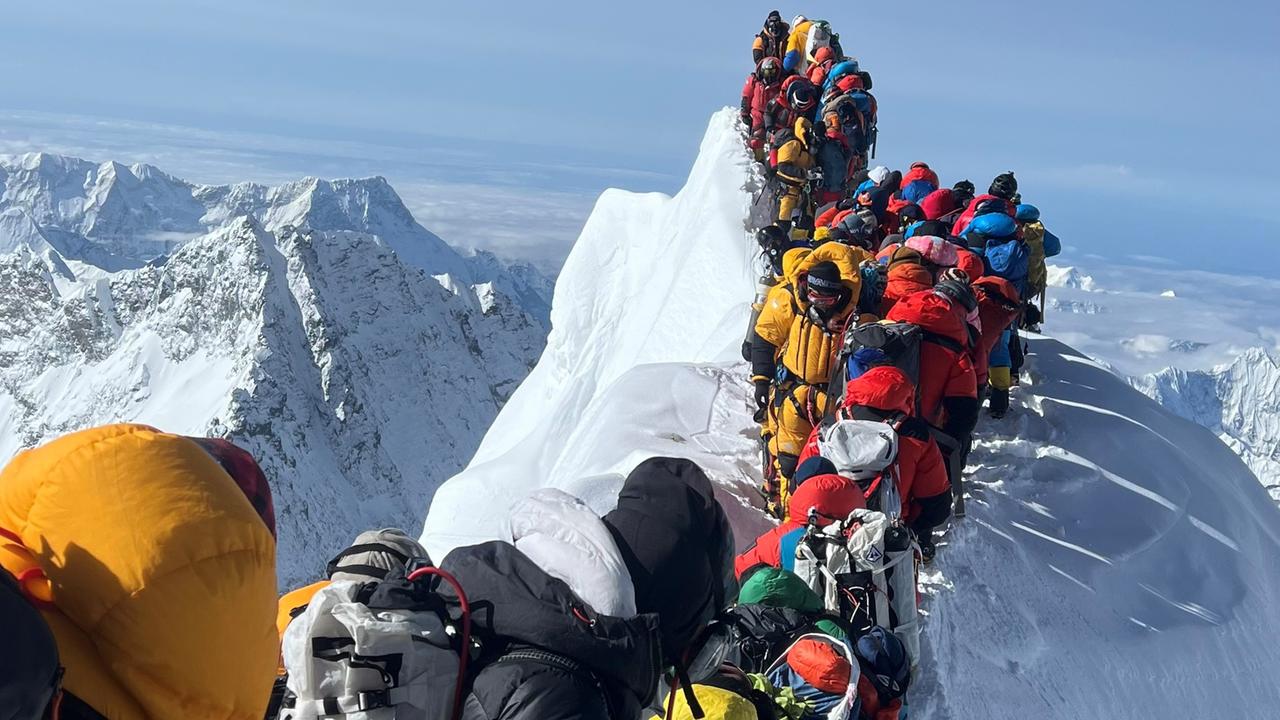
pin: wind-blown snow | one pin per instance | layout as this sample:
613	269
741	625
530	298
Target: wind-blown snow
1117	561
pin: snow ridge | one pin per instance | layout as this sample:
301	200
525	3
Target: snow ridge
1117	560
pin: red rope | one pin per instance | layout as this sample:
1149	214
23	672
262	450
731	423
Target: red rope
466	631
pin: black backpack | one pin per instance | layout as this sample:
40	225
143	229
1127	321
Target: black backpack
761	633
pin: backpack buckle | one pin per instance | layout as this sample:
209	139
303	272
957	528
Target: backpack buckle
372	700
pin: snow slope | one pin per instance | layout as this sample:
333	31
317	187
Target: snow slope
303	325
1117	561
652	279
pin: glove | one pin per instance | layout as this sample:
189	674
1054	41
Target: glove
846	204
762	393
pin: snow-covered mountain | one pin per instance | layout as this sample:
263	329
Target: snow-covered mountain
1201	344
1240	401
1117	560
315	323
115	217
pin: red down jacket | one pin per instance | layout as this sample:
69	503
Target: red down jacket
921	471
945	368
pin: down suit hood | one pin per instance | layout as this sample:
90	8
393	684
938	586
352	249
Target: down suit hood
933	313
677	545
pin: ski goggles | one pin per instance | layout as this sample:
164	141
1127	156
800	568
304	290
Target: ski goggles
822	298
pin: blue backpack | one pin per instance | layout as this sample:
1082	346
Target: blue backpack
1009	258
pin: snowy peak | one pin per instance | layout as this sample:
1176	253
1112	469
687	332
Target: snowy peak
115	217
1239	401
358	381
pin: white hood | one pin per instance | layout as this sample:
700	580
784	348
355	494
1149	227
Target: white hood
570	542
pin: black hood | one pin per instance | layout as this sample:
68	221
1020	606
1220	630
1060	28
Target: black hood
678	546
513	599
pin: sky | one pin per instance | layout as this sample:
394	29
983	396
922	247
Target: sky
1142	131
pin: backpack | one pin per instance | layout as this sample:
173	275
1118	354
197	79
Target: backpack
1010	260
863	568
819	37
865	451
873	344
759	634
383	650
810	667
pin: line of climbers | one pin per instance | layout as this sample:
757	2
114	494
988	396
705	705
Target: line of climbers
139	576
889	312
809	114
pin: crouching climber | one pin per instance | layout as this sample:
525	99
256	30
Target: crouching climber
151	558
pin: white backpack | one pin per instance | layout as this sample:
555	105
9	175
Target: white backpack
347	660
850	563
819	37
866	450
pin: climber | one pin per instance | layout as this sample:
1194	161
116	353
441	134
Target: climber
791	357
885	394
938	204
998	307
947	387
156	574
587	611
794	161
823	60
836	247
999	196
761	87
771	41
837	159
919	181
815	485
876	192
796	99
906	276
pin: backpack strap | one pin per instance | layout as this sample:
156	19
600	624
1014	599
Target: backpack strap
377	572
946	342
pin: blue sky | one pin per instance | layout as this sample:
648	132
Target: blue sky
1140	129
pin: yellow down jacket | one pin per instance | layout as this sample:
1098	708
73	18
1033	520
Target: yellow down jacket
162	573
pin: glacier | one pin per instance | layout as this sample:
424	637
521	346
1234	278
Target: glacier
1117	560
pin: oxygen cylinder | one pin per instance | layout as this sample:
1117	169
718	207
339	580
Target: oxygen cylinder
763	286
